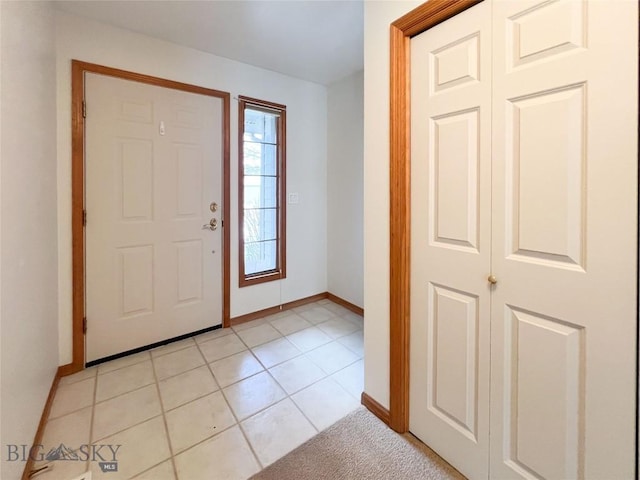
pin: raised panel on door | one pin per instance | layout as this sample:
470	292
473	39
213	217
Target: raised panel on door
134	179
564	239
135	280
153	166
452	377
134	109
542	30
188	177
454	167
190	272
544	381
456	63
450	239
545	177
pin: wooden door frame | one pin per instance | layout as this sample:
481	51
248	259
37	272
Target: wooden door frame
413	23
78	70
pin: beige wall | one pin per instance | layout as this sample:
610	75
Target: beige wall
28	279
345	124
306	102
378	15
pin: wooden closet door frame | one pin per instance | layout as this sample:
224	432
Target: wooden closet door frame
413	23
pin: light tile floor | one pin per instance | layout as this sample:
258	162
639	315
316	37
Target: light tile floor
222	405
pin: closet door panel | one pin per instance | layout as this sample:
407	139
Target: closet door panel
450	244
564	239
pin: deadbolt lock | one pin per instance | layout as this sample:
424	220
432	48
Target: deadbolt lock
213	207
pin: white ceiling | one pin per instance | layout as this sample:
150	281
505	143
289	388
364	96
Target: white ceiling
320	41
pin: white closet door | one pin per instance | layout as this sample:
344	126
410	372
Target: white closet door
153	166
563	334
451	238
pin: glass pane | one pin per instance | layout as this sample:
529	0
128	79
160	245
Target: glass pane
260	126
259	257
260	225
260	192
259	159
270	128
252	161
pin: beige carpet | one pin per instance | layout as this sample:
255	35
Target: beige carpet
360	447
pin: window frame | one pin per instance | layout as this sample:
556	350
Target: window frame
280	270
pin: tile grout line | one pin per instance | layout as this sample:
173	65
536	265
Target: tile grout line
128	428
148	469
91	405
246	439
258	412
193	400
97	367
77	409
325	377
305	415
249	350
164	420
331	339
135	389
243	378
178	374
265	369
153	357
347	346
224	396
190	447
287	395
290	398
279	363
93	416
194	342
158	380
238	421
303	353
232	331
328	377
281	335
69	380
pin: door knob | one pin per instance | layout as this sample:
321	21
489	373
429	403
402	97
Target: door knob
212	225
492	279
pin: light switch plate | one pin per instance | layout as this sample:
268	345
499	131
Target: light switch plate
294	199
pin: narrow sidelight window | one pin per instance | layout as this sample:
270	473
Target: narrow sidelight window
262	184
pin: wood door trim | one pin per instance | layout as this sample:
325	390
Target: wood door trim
375	408
78	70
413	23
248	317
280	272
346	304
37	439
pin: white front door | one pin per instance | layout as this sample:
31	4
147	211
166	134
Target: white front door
451	238
153	168
562	240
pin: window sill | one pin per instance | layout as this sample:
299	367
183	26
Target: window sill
261	278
